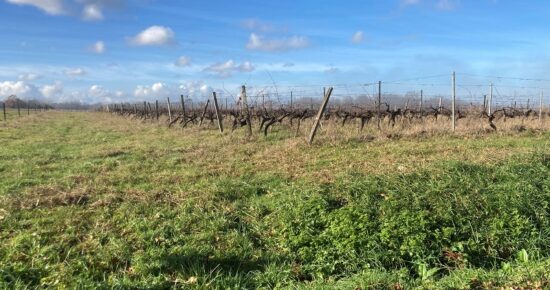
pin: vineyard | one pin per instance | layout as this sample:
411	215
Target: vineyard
397	117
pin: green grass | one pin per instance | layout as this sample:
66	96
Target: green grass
89	200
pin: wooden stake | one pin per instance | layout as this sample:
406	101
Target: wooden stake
204	111
379	116
490	104
319	115
218	114
291	100
18	108
157	108
169	110
245	110
183	108
421	99
145	110
540	107
4	109
453	104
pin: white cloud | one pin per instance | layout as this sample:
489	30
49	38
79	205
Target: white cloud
225	69
245	67
183	61
97	91
92	12
99	94
156	90
157	87
98	47
52	7
28	77
19	88
195	89
154	35
52	91
256	42
76	72
358	37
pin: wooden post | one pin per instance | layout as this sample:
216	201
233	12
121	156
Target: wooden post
183	108
528	103
4	109
245	110
218	114
453	104
319	115
169	110
157	108
540	107
18	108
421	100
204	111
490	104
28	109
135	110
145	110
379	115
291	100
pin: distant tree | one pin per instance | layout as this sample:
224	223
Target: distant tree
13	100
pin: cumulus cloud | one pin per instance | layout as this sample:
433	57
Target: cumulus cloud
358	37
28	77
155	90
18	88
183	61
257	42
99	94
226	69
154	35
195	89
52	7
98	47
92	12
76	72
52	91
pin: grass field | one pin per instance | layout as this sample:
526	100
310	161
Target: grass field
92	200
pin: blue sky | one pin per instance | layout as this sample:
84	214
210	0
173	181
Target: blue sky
121	50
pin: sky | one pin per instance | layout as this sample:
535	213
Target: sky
94	51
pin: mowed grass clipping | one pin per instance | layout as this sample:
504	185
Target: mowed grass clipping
95	201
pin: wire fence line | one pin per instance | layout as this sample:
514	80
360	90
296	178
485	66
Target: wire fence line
471	89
